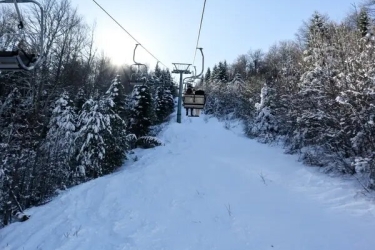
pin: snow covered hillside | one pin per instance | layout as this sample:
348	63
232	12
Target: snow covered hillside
207	188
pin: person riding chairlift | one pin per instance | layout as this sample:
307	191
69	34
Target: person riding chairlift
189	91
198	92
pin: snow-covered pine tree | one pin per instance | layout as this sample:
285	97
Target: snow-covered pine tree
9	151
141	113
222	73
116	144
207	76
265	125
237	97
19	138
315	111
158	72
356	104
59	144
364	22
283	62
94	124
169	83
116	93
215	73
217	92
163	100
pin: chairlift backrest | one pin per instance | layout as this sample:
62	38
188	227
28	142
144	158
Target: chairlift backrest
199	92
195	101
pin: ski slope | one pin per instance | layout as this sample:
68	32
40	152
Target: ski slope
207	188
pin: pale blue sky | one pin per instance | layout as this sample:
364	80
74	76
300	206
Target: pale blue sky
169	28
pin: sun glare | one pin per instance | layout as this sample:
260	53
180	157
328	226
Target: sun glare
119	48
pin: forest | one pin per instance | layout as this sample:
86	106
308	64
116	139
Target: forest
76	117
313	95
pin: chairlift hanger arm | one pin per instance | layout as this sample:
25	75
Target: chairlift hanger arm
41	11
186	79
189	78
20	25
197	76
16	2
11	63
137	63
134	53
201	49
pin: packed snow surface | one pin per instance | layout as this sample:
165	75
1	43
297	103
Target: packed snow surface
208	187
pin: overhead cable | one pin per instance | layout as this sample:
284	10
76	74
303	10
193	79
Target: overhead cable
128	33
199	33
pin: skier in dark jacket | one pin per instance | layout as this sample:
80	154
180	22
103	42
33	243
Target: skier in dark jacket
189	91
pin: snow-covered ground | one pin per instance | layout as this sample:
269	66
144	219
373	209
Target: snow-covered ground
207	188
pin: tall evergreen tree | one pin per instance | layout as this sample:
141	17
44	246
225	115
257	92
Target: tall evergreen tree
158	71
59	144
169	83
265	124
215	73
318	29
164	102
223	71
141	111
207	76
94	123
363	22
116	144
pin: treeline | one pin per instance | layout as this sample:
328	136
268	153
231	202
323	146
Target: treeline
316	94
73	119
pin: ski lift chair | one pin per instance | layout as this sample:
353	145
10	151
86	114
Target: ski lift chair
196	100
13	56
139	75
17	60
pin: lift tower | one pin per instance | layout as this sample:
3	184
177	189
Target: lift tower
180	68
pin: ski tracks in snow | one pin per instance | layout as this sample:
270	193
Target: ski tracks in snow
207	188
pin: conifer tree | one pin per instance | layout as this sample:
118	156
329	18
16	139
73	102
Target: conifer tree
158	71
265	125
141	111
164	102
363	22
59	144
207	76
116	144
94	123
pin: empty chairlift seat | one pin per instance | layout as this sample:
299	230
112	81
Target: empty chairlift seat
14	60
9	60
195	101
138	71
